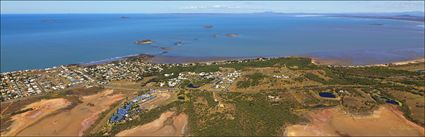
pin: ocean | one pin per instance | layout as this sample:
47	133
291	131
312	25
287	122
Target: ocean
31	41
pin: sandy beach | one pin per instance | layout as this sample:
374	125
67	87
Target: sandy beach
319	61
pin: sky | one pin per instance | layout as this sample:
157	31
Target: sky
41	7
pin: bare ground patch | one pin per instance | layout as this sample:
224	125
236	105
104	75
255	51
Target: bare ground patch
386	121
169	124
75	121
37	111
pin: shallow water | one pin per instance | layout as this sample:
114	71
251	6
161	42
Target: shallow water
39	41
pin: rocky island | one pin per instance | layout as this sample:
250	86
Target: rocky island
232	35
178	43
143	42
208	26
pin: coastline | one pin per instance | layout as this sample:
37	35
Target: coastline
335	62
182	59
160	59
108	60
419	60
115	59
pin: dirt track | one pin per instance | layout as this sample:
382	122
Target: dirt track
160	99
386	121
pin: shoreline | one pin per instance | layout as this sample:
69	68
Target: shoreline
185	59
160	59
109	60
342	63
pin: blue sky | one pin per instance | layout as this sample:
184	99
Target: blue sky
209	6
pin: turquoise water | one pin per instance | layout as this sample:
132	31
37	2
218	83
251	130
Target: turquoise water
39	41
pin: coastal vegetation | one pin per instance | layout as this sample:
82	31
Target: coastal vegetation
240	115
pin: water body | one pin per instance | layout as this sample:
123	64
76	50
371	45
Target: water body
45	40
391	101
327	95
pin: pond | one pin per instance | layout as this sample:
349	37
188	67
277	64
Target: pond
390	101
192	86
327	94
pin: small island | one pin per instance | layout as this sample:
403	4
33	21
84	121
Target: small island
165	48
232	35
178	43
144	42
376	24
208	26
